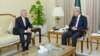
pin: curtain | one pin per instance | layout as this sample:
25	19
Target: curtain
93	13
48	6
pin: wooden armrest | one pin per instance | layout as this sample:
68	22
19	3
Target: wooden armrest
85	31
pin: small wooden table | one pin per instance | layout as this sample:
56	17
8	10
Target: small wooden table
92	37
70	50
57	33
36	30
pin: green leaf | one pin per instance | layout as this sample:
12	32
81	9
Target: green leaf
38	2
36	11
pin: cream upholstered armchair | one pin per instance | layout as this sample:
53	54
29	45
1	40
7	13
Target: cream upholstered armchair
6	27
82	39
7	22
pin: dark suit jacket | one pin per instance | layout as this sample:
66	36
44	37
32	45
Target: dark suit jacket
82	24
19	25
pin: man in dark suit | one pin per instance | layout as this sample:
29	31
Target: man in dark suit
76	27
23	27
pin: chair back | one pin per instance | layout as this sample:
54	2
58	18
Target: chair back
5	21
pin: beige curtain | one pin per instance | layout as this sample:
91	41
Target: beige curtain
93	13
48	6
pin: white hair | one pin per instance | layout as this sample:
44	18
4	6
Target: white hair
22	10
77	8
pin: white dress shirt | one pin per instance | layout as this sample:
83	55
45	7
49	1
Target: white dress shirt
23	18
77	21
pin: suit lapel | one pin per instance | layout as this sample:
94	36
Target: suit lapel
79	20
75	20
22	21
26	21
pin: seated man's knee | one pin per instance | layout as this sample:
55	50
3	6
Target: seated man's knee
29	34
21	33
74	37
65	34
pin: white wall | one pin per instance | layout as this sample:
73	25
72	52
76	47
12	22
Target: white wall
14	7
48	8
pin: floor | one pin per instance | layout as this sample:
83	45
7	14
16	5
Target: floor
12	49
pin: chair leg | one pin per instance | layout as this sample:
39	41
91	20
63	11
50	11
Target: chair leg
81	46
97	45
18	46
68	41
33	41
90	45
87	43
0	52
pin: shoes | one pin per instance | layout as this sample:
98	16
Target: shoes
27	48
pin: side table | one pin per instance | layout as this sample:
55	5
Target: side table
36	30
57	33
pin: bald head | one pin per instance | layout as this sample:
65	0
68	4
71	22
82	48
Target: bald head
23	13
76	11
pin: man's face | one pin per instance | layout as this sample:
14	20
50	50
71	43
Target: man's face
76	12
24	13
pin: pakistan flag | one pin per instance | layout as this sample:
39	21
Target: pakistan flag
78	3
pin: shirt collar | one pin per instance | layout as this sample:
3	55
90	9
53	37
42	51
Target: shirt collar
22	17
79	16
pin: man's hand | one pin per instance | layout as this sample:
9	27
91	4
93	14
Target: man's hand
74	28
28	30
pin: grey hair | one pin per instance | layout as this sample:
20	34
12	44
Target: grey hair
23	10
77	8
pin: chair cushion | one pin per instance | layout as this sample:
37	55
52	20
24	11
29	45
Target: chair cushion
7	39
82	38
5	21
1	31
10	28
